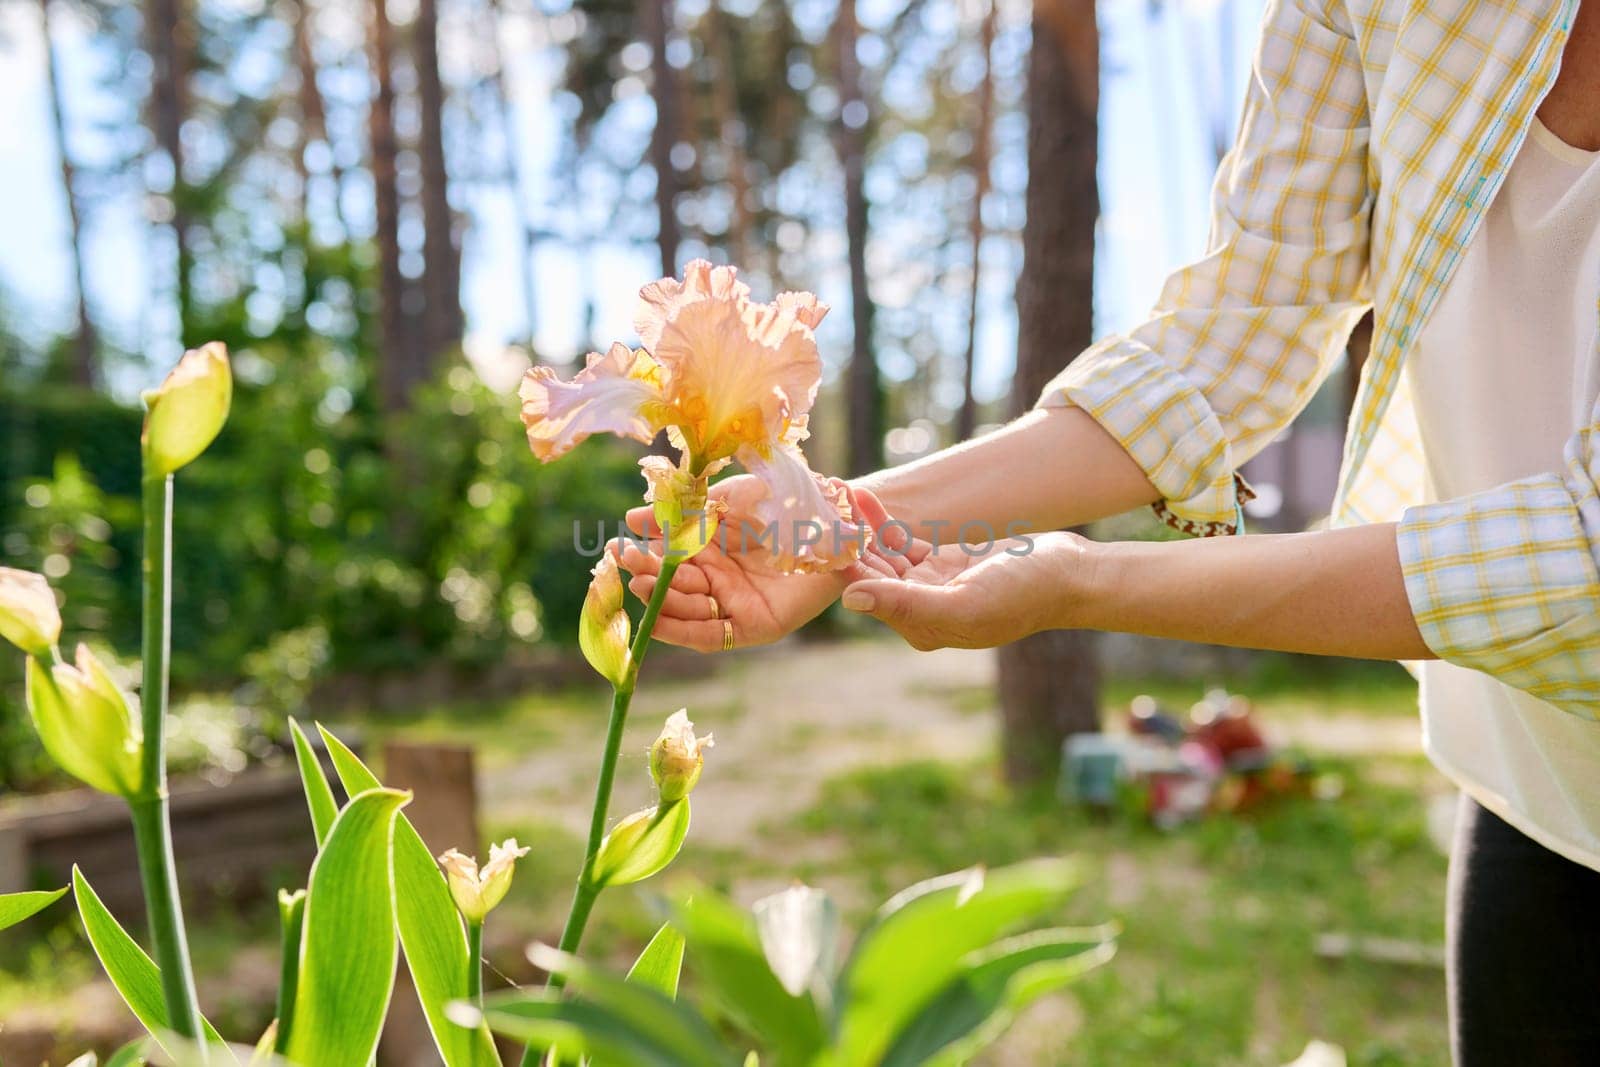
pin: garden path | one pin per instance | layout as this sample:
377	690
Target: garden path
787	719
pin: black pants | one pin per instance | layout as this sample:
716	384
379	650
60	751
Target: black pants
1523	932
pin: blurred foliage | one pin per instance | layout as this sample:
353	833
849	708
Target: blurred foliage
318	534
301	538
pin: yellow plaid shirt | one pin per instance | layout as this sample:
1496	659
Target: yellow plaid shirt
1374	135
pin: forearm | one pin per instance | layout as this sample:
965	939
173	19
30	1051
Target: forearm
1045	471
1336	592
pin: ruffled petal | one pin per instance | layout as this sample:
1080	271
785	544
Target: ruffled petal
736	372
803	306
661	300
614	393
806	519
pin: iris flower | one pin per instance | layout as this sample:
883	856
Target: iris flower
728	378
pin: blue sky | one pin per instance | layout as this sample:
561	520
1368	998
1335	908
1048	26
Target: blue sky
1156	163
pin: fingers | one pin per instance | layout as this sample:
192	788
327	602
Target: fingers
869	510
923	614
647	565
642	521
634	559
689	606
702	636
874	565
689	579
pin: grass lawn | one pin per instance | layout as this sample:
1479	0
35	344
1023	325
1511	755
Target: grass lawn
1217	963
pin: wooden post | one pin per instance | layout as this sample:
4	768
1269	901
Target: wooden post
445	813
443	777
13	860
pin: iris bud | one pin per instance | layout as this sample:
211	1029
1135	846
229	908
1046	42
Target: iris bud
186	412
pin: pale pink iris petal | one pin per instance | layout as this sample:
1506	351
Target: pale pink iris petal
661	300
604	397
737	371
803	306
806	520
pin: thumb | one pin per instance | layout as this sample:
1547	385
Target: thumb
890	600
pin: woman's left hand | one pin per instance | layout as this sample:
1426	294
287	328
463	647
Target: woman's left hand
968	596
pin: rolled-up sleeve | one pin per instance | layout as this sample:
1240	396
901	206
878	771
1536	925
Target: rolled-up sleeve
1507	581
1239	341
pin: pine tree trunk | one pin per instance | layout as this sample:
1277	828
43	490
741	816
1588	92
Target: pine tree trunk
864	391
313	113
441	278
657	18
730	130
168	41
513	149
967	417
393	352
85	371
1049	682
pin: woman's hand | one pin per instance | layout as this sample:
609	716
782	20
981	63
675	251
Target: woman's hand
762	603
961	596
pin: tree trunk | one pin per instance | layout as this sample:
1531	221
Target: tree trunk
864	391
394	371
85	371
967	417
513	150
441	277
730	129
1049	682
313	113
657	18
168	41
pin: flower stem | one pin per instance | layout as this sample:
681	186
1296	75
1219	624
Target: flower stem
475	962
152	823
586	893
292	916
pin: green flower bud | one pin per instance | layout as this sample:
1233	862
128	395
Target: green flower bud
677	757
603	628
85	725
28	615
478	892
678	499
187	411
640	845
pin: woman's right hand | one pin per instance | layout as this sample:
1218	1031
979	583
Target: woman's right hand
762	603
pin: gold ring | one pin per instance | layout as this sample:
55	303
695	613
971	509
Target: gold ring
727	635
716	609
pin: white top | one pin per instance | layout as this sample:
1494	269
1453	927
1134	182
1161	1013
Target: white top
1504	372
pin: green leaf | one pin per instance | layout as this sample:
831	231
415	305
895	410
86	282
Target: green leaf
15	907
659	965
347	948
430	927
133	973
669	1024
353	774
919	939
642	844
319	795
996	984
609	1021
799	931
731	965
133	1054
544	1019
